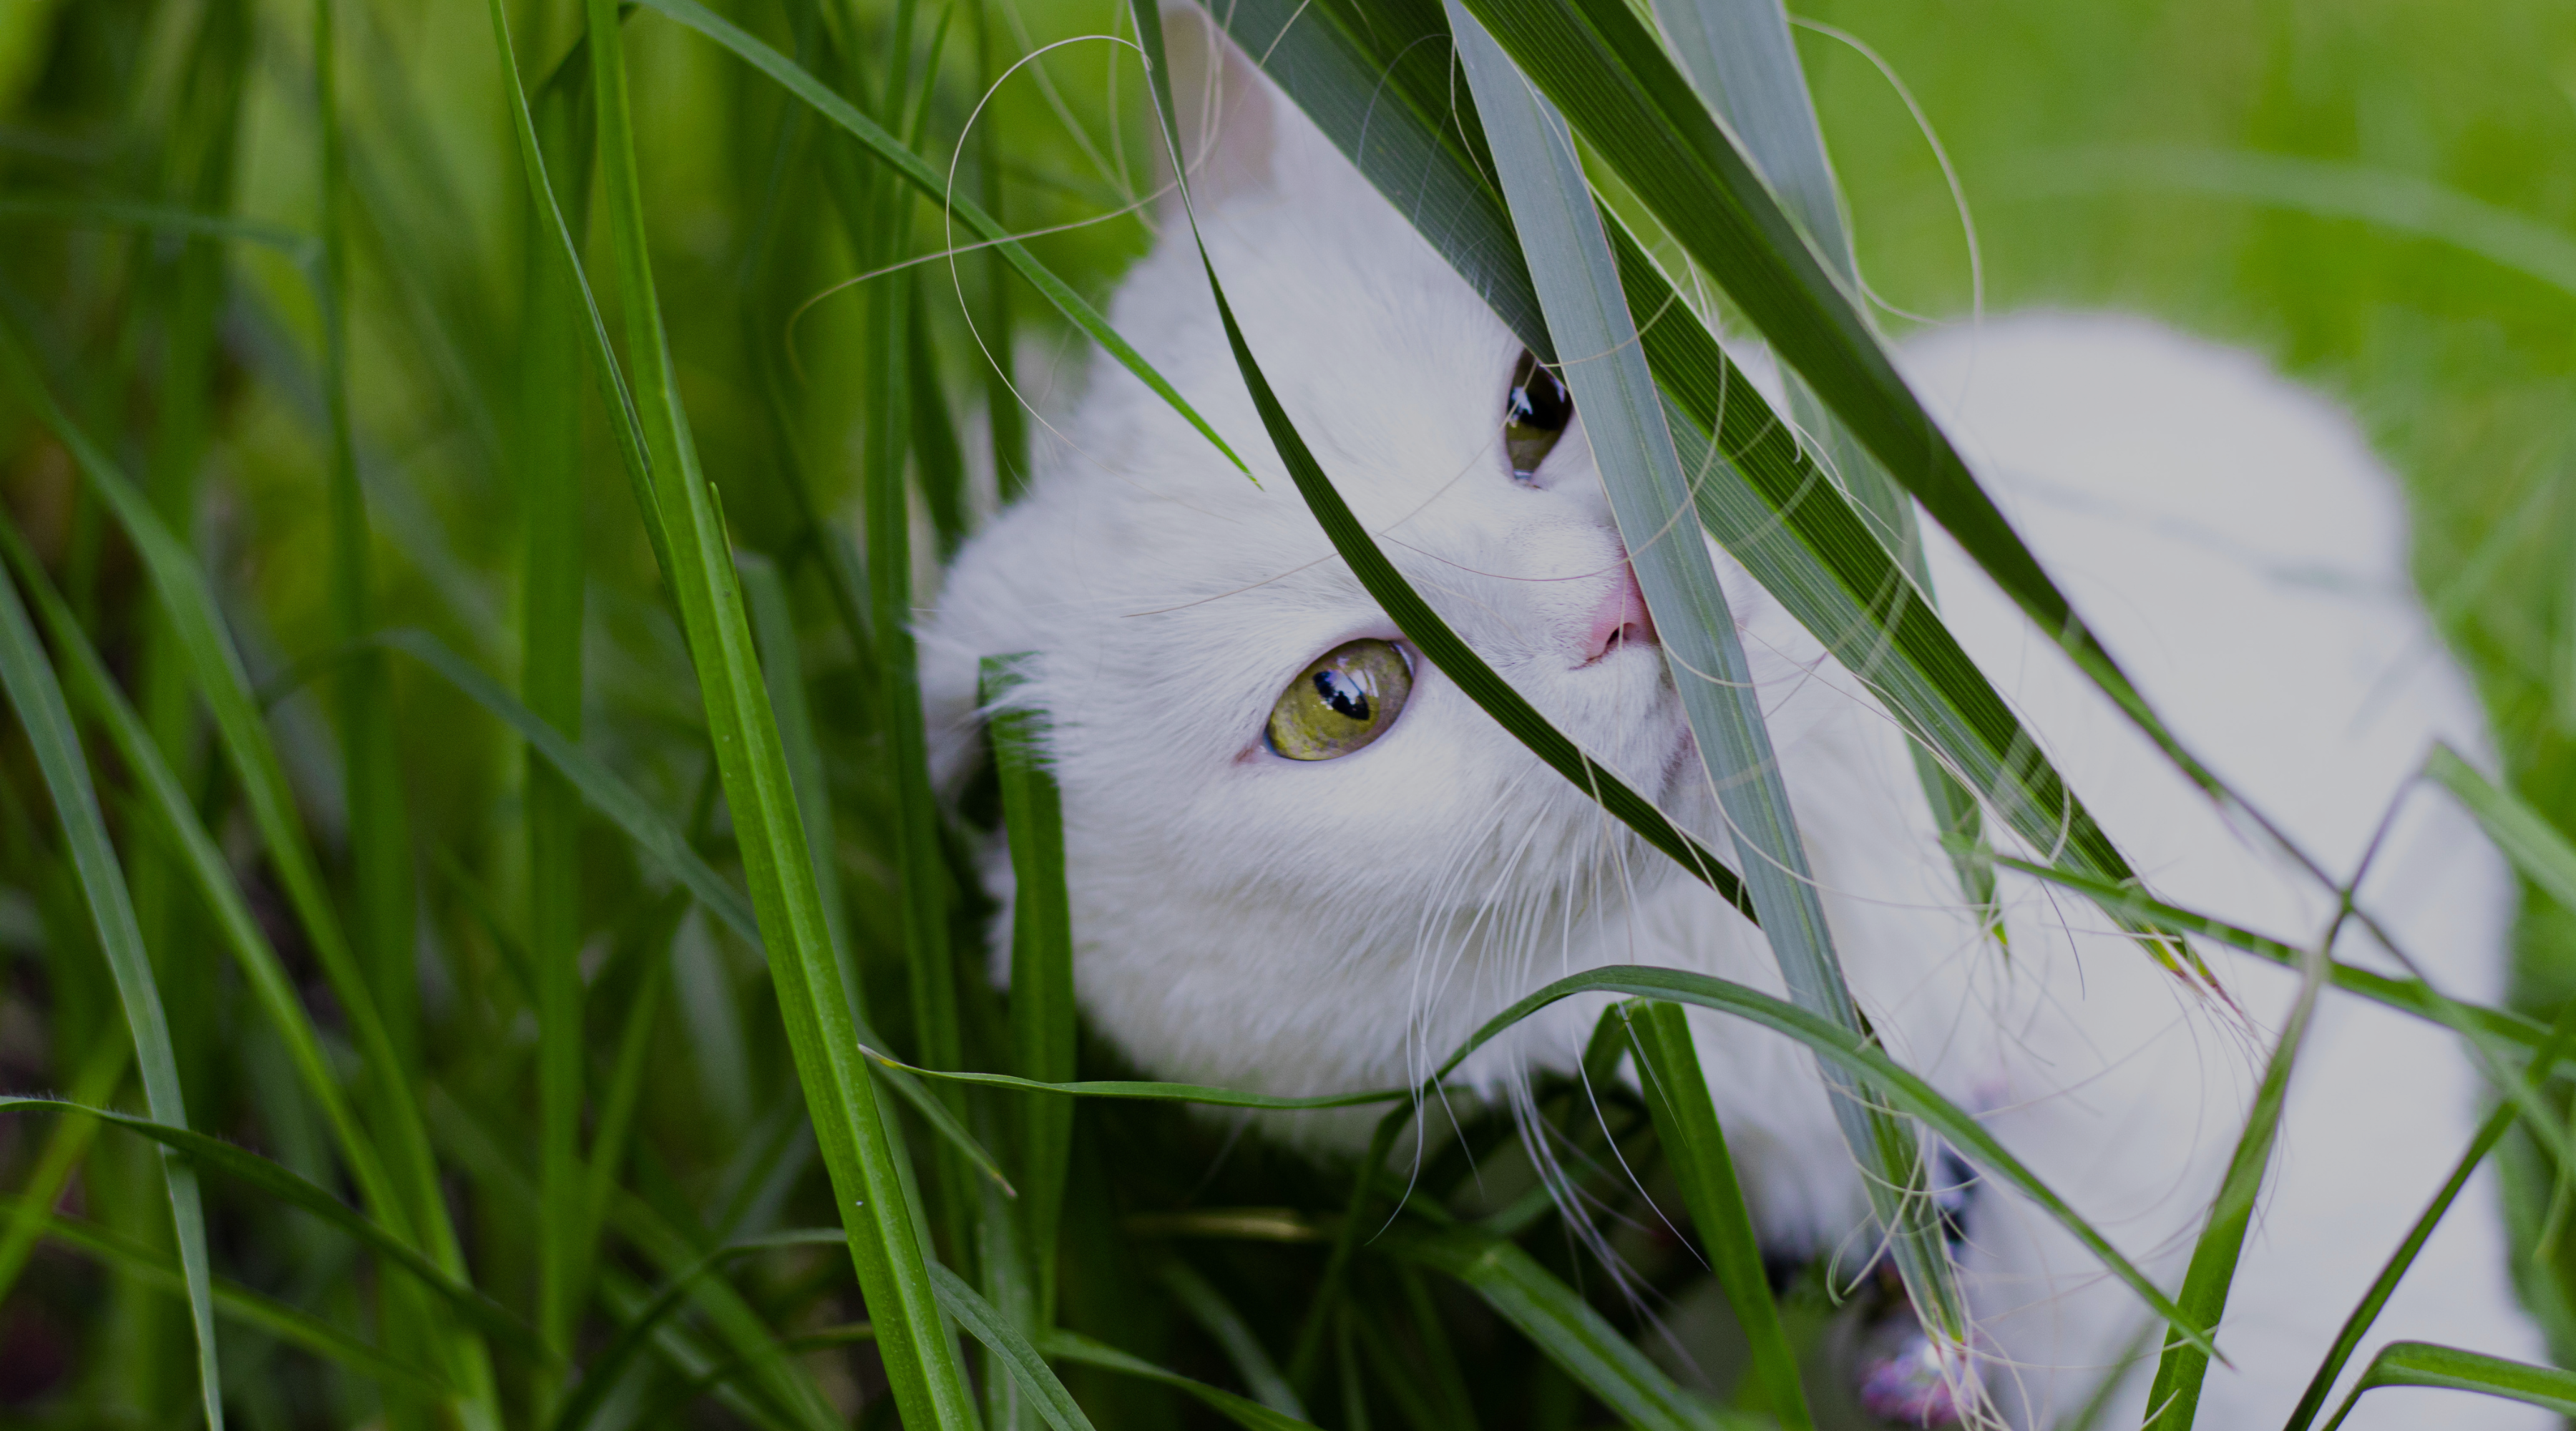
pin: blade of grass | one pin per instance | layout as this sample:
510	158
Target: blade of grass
1219	1320
2544	856
1363	80
1559	1323
550	680
1901	1090
1695	1143
271	985
288	1186
216	667
65	1147
2449	1368
1599	63
931	183
1623	419
600	1377
234	1301
1740	56
2173	1401
1026	1368
1042	1006
661	841
47	722
869	1167
2364	1313
1241	1410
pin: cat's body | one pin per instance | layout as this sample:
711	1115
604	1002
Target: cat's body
1321	926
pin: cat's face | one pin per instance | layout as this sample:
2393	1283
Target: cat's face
1173	604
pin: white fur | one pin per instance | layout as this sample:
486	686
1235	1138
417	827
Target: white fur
1296	927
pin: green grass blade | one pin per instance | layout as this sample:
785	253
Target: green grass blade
235	1302
271	986
1362	79
2364	1313
1557	1321
47	721
2449	1368
868	1164
1027	1369
1148	1091
1888	1081
773	621
1218	1319
1599	63
1623	418
65	1147
1243	1411
933	184
661	841
552	572
1695	1144
1042	1006
1740	56
2173	1401
215	665
2412	996
1414	616
2544	856
287	1186
600	1377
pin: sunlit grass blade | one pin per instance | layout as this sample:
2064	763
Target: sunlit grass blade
1695	1145
1042	1007
868	1164
287	1186
1623	419
908	165
2173	1400
1241	1410
782	665
47	721
1559	1323
1148	1091
2366	1312
2449	1368
233	1301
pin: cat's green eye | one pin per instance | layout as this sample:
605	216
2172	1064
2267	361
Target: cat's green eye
1342	702
1535	413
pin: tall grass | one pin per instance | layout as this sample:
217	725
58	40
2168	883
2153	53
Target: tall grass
461	546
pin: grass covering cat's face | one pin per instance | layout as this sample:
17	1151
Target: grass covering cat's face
1217	797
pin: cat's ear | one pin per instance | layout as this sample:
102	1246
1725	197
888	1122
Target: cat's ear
1233	119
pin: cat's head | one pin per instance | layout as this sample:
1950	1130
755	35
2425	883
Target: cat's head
1178	610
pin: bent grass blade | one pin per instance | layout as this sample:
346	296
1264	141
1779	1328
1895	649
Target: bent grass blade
1623	418
47	721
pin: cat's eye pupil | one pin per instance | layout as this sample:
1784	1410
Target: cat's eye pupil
1350	696
1535	412
1347	697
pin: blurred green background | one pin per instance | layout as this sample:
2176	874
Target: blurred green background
2378	195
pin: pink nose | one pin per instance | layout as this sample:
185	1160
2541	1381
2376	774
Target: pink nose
1621	618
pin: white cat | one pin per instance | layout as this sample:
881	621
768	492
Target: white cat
1314	925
